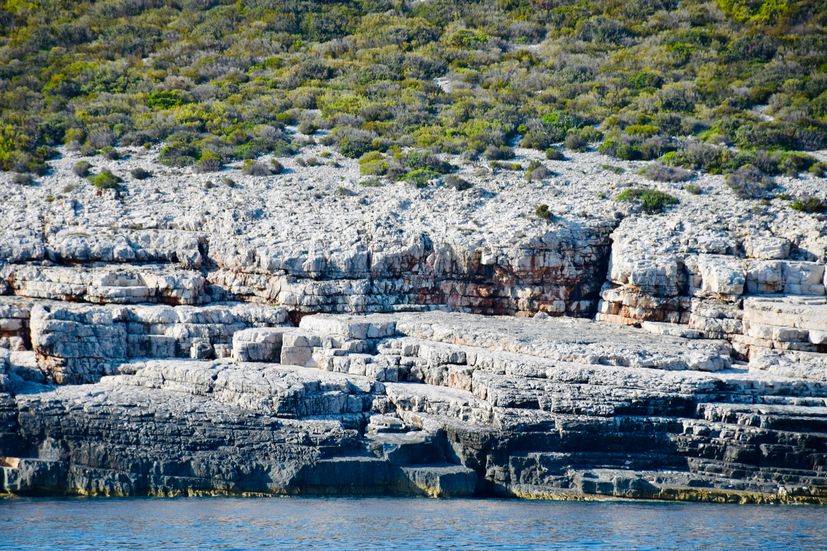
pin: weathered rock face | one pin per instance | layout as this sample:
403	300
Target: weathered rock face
166	339
432	403
709	275
80	344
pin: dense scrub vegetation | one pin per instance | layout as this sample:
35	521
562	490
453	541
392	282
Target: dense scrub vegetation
710	85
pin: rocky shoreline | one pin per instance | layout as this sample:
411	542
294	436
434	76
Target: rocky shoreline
172	338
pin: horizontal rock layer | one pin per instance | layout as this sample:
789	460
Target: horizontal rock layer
420	403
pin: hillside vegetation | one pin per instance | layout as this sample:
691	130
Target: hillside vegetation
707	85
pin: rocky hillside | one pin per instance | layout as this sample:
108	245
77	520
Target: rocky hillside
180	333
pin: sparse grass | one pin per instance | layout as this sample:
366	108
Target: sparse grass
373	181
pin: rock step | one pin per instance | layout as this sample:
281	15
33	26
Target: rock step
442	480
768	416
285	391
78	344
107	283
408	448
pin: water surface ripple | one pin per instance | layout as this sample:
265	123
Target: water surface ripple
388	523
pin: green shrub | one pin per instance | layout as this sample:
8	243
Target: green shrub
819	170
542	212
164	99
554	154
179	154
111	153
792	164
810	205
651	201
352	142
82	168
420	177
418	159
576	142
105	180
373	163
700	156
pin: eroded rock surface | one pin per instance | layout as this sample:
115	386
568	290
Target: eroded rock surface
182	336
426	403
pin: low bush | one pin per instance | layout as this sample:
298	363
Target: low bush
209	162
424	160
373	163
748	182
255	168
663	173
632	148
536	172
111	153
651	201
809	205
22	179
455	182
554	154
576	142
352	142
82	168
791	164
498	153
140	173
420	177
105	180
542	211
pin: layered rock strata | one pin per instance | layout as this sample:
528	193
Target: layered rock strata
432	403
165	338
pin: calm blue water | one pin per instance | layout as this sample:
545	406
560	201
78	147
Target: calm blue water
387	523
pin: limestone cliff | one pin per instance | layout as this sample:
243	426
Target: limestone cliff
280	337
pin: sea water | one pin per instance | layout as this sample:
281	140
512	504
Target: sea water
404	523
